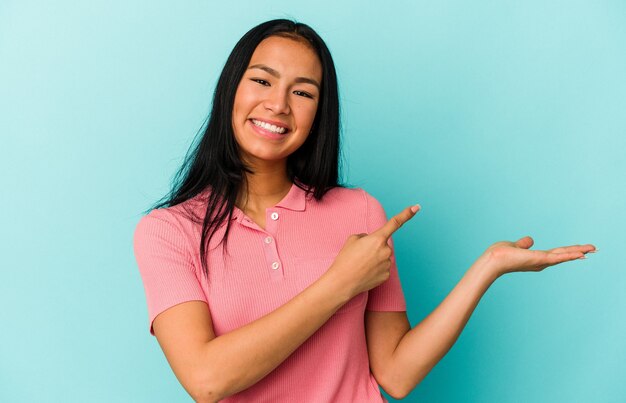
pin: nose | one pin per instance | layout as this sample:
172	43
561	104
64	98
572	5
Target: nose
277	101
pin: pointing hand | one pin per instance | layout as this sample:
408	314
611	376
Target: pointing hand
365	260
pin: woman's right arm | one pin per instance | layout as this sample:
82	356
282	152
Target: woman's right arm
211	368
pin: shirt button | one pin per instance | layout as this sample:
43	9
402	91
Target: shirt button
274	216
268	239
275	265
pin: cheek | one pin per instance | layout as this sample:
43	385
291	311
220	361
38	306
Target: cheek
238	106
242	102
239	114
307	115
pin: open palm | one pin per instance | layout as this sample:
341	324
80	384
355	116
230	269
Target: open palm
509	257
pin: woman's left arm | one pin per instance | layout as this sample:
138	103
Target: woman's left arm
400	357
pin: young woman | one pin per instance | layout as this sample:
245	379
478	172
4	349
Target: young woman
268	281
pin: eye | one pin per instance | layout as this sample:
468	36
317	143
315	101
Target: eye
260	81
303	94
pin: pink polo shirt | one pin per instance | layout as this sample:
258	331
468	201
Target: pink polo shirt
264	269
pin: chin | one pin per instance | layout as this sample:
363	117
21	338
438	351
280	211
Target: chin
263	157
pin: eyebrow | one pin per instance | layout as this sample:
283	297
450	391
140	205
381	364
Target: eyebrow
276	74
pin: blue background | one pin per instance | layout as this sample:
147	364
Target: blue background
501	118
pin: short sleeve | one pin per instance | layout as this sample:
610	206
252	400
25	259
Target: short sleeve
167	270
387	296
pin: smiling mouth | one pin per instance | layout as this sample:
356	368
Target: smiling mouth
269	127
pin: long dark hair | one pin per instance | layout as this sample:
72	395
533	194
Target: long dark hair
213	163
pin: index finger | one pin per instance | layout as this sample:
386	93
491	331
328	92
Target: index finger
397	221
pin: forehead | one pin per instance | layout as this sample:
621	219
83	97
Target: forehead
288	56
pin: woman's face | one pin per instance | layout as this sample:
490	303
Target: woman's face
276	100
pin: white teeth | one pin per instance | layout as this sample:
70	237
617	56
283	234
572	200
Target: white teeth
267	126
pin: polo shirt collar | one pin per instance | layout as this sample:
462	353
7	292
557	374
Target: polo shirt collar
294	200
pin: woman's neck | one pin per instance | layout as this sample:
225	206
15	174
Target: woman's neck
264	189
